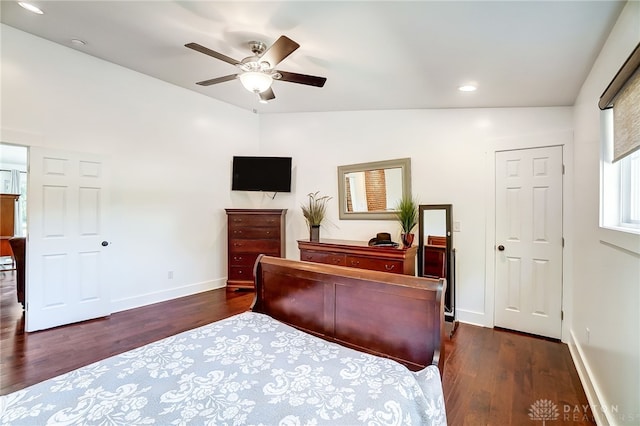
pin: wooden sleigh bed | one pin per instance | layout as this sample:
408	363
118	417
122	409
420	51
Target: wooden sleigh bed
322	345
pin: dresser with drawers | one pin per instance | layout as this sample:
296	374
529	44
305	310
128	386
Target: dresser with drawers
252	232
7	219
358	254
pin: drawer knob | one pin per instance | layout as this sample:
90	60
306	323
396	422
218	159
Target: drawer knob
237	257
355	262
240	272
237	232
237	244
389	267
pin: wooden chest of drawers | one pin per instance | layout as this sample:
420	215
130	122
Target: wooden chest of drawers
358	254
252	232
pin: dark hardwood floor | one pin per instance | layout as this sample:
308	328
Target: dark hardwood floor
491	377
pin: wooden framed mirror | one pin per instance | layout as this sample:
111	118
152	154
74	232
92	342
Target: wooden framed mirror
436	255
372	190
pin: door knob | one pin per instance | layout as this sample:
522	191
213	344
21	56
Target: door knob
104	243
501	247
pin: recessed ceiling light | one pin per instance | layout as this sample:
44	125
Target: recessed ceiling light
467	88
30	7
78	42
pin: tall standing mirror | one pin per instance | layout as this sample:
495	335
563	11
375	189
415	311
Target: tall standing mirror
435	251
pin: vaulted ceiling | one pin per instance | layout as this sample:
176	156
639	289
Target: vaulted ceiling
376	55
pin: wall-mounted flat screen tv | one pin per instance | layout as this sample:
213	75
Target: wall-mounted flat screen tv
269	174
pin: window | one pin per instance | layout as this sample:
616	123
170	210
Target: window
620	124
620	194
630	191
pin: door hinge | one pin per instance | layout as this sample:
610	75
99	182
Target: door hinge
563	169
562	242
561	315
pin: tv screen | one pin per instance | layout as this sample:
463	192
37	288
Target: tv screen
270	174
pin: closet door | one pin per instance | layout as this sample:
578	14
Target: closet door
529	241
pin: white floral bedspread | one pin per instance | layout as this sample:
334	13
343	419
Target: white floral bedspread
247	369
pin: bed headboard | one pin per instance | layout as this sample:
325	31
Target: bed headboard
396	316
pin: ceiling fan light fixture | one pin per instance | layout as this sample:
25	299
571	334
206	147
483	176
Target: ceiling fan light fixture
255	81
256	73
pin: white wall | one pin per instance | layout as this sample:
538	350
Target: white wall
452	157
169	152
606	285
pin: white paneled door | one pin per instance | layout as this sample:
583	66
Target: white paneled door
529	241
66	243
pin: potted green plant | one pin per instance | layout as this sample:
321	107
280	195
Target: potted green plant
407	215
314	212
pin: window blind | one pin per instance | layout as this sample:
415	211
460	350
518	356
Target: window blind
623	95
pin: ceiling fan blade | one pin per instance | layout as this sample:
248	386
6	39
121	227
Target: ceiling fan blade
309	80
279	50
217	80
213	53
267	95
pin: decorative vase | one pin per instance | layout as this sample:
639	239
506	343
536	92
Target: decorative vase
407	240
314	233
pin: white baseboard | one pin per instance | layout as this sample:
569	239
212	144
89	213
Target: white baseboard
594	396
471	317
162	296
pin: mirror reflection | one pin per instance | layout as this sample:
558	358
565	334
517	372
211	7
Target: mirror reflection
435	251
435	245
376	190
373	190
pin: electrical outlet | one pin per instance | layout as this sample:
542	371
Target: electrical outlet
456	226
170	275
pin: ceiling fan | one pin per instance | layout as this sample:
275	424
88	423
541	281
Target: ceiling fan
257	72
